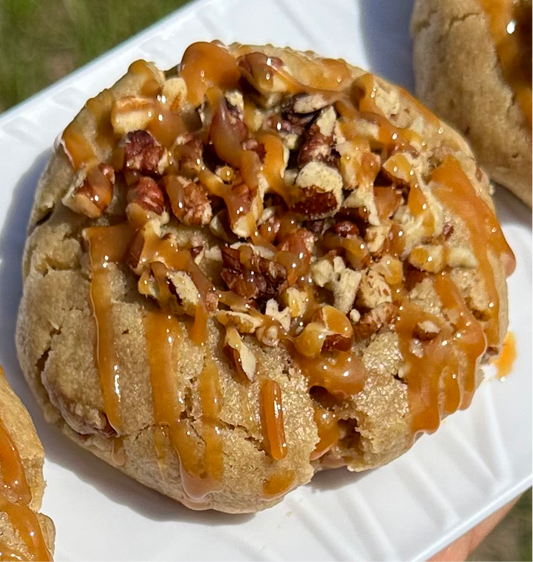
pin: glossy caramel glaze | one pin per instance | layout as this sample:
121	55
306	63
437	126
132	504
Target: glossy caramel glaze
278	484
440	372
505	361
107	245
200	472
15	498
328	432
272	419
457	194
11	468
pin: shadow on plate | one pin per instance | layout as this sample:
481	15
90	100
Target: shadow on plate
510	209
385	29
334	479
12	239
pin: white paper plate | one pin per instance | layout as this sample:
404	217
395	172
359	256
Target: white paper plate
409	510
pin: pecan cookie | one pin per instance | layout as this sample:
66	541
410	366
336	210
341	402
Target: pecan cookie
254	266
472	62
25	534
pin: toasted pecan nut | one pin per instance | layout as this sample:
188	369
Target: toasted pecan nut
188	200
146	198
426	330
241	355
336	342
142	153
252	276
317	147
345	229
372	321
94	194
315	204
387	201
259	71
270	228
306	103
189	156
291	125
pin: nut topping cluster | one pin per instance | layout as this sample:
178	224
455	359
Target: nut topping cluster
308	208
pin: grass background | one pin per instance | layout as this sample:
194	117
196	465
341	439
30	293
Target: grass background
43	40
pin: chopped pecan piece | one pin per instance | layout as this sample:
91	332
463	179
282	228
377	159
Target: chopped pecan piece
270	229
373	320
340	280
240	353
188	200
373	290
316	227
413	276
387	201
142	153
307	103
315	204
426	330
329	330
287	126
255	146
190	156
317	147
320	191
92	194
252	276
259	71
220	227
245	323
131	113
345	228
336	342
146	201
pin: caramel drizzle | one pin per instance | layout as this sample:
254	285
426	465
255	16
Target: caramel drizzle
456	193
469	340
150	86
200	474
504	363
365	107
100	107
27	526
107	245
511	33
278	484
206	65
328	432
441	373
424	373
272	420
20	515
77	147
11	468
342	373
165	251
228	144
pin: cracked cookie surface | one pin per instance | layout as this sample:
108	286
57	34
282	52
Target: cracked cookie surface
472	64
238	269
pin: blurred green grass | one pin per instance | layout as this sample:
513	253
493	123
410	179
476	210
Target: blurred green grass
43	40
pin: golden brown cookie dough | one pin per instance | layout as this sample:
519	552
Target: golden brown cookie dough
25	534
471	71
237	271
